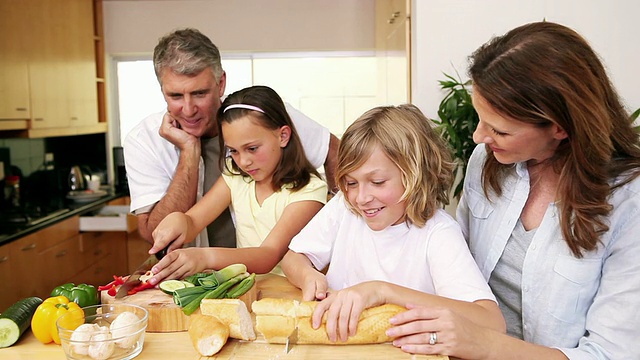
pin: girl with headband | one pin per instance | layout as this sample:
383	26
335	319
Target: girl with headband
267	180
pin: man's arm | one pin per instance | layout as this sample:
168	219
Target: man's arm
331	162
181	194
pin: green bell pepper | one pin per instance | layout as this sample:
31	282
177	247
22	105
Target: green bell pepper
81	294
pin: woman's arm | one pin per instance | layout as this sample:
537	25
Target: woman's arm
483	312
458	336
345	306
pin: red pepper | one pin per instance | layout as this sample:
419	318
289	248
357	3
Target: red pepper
117	280
143	286
112	291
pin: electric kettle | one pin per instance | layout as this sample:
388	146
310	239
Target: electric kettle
78	179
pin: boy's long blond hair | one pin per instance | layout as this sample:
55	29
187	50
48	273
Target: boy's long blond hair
406	137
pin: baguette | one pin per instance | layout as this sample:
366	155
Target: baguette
208	334
233	313
276	319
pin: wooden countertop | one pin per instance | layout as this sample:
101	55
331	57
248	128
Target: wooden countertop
177	345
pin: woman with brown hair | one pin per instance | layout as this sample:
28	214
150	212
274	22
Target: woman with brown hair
550	207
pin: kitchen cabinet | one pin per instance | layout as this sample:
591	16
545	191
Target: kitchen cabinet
57	46
104	254
393	50
137	248
6	274
14	76
38	262
34	264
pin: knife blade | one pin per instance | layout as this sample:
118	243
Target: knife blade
134	278
291	340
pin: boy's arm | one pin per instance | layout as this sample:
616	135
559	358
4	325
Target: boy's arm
301	273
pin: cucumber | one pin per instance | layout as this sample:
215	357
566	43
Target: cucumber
187	284
169	286
16	319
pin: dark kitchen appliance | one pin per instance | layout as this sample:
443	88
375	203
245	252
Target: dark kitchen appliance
5	159
120	172
78	178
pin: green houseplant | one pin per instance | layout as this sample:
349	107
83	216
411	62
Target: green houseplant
634	117
457	120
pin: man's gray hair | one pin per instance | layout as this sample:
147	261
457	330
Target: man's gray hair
186	52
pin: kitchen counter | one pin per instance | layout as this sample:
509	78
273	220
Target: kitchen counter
177	345
66	211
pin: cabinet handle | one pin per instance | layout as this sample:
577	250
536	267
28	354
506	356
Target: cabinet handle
97	252
4	258
29	247
391	21
395	14
38	119
74	118
98	270
21	109
61	253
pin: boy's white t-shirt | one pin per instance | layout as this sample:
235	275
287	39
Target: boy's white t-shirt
434	259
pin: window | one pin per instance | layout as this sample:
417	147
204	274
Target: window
331	88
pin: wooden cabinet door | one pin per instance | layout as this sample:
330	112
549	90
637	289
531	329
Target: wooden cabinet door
14	77
62	67
393	51
81	64
137	250
48	49
19	270
105	254
7	297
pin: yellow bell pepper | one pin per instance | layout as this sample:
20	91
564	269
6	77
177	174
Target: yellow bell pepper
43	323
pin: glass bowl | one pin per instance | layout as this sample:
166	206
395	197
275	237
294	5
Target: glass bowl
109	331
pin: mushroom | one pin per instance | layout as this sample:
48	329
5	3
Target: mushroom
81	336
122	328
101	346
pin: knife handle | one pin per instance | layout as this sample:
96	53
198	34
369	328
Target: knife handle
160	254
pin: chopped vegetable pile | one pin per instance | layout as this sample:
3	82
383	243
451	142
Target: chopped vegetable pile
231	282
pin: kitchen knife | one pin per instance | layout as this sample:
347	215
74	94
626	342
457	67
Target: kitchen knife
134	279
291	340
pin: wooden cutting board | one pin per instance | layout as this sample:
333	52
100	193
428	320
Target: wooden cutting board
164	314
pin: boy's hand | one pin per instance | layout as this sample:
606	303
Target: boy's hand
315	286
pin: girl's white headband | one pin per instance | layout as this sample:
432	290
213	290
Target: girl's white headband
243	106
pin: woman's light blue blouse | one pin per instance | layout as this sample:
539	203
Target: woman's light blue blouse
587	307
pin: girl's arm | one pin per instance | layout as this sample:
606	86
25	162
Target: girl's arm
457	336
264	258
184	227
301	273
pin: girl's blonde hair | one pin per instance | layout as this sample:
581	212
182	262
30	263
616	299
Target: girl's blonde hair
406	137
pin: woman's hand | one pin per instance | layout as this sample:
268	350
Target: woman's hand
171	231
179	264
343	309
454	334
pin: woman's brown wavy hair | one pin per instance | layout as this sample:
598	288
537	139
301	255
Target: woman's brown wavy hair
293	169
406	137
543	73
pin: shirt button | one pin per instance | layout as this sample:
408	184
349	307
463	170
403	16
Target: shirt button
533	247
526	289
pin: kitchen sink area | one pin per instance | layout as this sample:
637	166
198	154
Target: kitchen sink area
18	222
